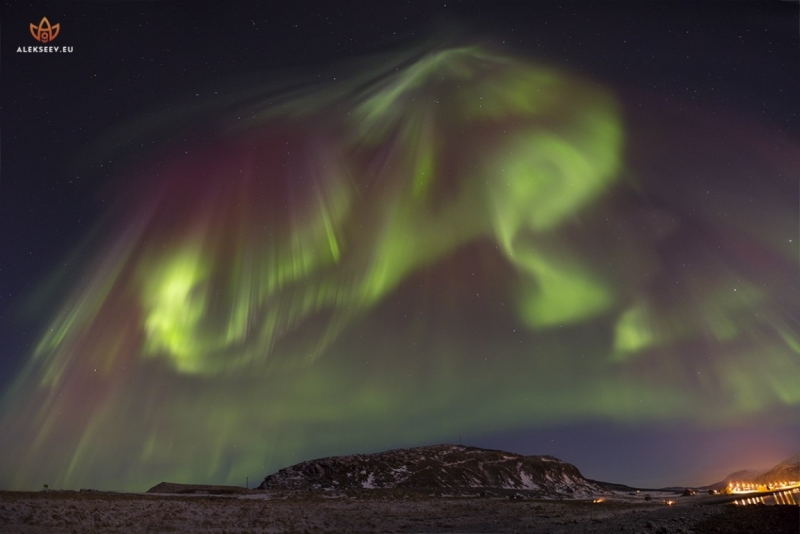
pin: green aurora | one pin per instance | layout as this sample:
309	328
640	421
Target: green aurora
456	246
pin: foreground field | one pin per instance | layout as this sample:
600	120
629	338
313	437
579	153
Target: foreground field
93	512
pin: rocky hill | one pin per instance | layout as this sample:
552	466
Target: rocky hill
785	471
745	475
439	467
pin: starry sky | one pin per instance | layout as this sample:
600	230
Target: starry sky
236	238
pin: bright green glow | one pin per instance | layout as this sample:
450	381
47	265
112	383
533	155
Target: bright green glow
544	178
537	176
443	256
175	301
634	331
562	295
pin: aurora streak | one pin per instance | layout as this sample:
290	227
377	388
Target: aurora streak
455	246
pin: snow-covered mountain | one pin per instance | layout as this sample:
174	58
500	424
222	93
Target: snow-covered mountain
437	466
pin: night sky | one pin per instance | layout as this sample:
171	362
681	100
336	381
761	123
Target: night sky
236	236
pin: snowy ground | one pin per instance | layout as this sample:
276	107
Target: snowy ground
367	512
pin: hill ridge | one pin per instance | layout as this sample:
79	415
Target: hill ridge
443	466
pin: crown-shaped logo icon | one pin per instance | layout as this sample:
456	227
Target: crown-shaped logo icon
44	32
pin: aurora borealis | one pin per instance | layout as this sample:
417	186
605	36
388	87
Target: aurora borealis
442	240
